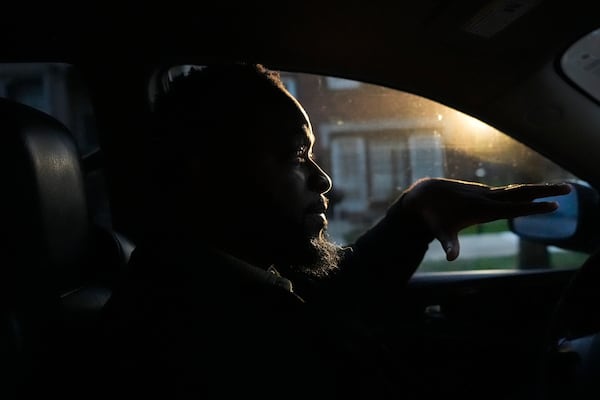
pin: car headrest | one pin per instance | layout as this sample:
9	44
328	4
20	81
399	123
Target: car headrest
43	202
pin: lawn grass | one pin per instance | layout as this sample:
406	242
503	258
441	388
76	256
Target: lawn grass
490	227
561	259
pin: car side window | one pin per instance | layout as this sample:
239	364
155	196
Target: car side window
375	141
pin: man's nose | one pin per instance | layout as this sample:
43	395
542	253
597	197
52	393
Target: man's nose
320	181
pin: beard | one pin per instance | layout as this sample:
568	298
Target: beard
318	258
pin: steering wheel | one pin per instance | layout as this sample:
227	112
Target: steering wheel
571	366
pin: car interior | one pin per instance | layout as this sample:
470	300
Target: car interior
76	91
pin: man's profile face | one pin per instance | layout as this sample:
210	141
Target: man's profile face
289	186
266	202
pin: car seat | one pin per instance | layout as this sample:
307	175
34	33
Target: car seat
57	267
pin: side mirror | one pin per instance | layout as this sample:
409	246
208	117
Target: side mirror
573	226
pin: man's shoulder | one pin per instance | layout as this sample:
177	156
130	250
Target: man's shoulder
203	275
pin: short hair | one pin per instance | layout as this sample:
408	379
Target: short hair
209	111
211	99
215	109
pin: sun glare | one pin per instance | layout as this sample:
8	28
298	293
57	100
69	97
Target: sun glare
474	124
473	135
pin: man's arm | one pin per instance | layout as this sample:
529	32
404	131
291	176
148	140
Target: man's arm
386	256
379	262
393	248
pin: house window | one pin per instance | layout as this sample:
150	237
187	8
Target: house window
387	164
349	171
426	156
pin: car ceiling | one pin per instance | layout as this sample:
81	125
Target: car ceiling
423	45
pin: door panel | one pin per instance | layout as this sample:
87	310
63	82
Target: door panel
474	334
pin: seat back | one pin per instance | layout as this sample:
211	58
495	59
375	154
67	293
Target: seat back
52	256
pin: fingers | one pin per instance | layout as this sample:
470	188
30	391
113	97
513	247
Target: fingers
498	210
452	248
505	210
529	192
521	209
450	206
449	242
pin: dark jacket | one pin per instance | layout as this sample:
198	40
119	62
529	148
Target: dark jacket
192	321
